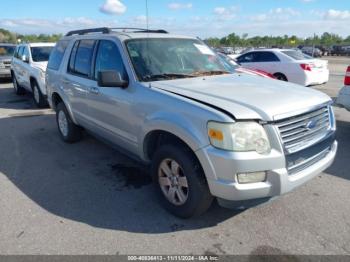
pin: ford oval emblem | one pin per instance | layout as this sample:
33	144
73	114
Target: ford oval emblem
311	125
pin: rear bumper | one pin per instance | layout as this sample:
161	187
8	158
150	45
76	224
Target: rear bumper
343	98
316	78
225	165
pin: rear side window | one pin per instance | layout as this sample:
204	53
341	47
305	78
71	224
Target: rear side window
81	59
57	55
108	58
267	57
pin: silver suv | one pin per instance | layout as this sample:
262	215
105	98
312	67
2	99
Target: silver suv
169	101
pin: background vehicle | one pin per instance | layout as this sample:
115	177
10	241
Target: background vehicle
312	51
6	53
170	102
28	70
233	66
287	65
344	94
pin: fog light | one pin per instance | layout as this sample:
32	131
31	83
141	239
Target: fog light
255	177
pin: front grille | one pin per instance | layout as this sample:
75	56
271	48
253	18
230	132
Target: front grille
7	64
301	131
310	156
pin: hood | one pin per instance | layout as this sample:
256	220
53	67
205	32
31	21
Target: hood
40	65
246	96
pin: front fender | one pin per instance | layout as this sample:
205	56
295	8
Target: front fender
192	132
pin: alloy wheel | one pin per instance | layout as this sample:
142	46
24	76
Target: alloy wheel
173	182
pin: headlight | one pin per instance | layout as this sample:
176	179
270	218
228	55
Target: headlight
239	137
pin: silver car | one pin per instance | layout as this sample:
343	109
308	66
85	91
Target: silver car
6	53
207	133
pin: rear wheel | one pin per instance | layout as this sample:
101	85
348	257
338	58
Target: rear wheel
180	182
281	77
17	88
38	97
69	131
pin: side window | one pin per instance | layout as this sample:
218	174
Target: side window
57	54
248	58
267	57
108	58
81	59
16	52
20	52
25	52
72	57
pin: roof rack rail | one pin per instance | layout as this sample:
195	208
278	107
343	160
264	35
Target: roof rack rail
140	30
103	30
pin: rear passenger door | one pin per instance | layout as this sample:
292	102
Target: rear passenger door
78	79
111	108
267	61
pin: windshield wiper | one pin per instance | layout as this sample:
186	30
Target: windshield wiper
210	73
165	76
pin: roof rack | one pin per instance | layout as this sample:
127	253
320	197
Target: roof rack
106	30
103	30
139	30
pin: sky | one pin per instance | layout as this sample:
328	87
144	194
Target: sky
210	18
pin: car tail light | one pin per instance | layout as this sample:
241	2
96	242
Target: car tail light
306	67
347	77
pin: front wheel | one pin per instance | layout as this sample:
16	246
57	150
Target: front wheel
17	88
180	182
69	131
38	97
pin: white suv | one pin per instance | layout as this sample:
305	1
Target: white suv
28	69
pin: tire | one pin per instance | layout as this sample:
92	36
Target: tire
39	99
281	77
70	132
17	88
195	198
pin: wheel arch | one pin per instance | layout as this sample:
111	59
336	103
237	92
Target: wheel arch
56	98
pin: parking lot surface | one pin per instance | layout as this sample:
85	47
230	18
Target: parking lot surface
87	198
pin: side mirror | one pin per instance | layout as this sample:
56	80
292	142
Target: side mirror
25	59
111	79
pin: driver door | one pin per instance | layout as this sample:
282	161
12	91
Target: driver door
111	108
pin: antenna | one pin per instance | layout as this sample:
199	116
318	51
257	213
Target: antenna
147	16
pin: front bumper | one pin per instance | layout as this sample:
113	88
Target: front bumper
5	72
221	168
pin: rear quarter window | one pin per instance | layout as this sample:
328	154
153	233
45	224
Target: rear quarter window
57	54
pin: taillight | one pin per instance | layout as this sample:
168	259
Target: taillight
306	67
347	77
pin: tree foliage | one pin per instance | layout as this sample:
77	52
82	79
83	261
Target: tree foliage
326	39
10	37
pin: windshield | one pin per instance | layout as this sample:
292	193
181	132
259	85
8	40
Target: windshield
165	59
41	54
297	55
6	50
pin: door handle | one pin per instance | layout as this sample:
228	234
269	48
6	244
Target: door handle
65	81
94	90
